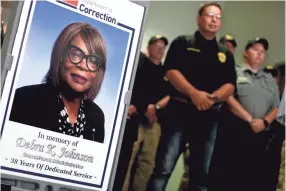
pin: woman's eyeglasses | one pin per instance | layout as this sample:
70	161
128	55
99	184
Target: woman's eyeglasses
76	55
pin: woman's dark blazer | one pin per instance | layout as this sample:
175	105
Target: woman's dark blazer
38	106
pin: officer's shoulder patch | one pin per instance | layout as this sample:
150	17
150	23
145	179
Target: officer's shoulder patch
189	38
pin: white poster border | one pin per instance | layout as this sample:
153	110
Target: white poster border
25	20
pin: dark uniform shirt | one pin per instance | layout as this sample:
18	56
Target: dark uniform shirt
206	64
149	84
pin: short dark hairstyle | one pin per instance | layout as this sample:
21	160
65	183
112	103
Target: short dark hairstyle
94	44
205	5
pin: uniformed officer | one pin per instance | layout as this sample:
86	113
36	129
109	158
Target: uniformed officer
144	117
255	105
202	75
281	119
276	133
149	91
229	42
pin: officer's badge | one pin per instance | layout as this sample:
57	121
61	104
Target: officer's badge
165	79
221	57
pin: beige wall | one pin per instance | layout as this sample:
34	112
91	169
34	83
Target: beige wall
249	19
5	13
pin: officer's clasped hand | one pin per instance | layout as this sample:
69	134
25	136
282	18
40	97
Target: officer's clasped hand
202	100
257	125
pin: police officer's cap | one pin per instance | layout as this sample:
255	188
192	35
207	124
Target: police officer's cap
153	39
262	41
228	38
271	69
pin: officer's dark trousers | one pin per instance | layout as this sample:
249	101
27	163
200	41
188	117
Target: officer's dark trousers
274	154
130	136
243	158
184	123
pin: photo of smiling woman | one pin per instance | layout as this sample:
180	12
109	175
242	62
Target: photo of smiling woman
64	102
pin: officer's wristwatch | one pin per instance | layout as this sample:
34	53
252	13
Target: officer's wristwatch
157	106
214	97
266	124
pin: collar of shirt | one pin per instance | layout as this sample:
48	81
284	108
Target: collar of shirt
203	41
148	61
260	73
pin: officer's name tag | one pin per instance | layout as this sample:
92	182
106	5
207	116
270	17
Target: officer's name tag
194	49
242	80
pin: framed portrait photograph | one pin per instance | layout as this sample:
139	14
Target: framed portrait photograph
62	104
